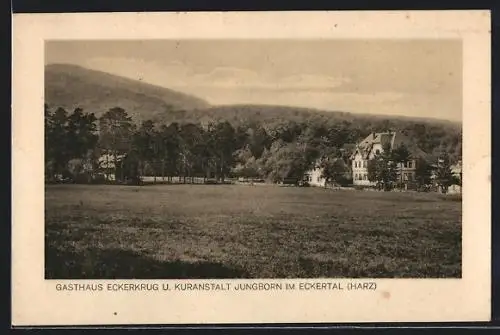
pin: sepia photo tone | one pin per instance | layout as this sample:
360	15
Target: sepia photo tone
259	205
251	158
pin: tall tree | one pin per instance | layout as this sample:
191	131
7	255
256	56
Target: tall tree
401	155
59	149
82	133
223	145
48	137
116	130
191	137
171	140
286	161
382	169
144	143
81	137
68	138
258	140
423	174
334	170
444	174
246	164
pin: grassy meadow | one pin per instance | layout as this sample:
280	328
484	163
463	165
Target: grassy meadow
241	231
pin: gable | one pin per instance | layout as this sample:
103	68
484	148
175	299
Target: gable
377	141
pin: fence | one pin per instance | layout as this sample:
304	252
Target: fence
184	180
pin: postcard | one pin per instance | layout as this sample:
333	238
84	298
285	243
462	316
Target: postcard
251	167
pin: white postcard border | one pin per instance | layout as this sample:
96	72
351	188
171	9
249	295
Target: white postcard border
36	301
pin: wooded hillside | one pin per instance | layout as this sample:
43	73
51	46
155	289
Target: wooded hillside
90	113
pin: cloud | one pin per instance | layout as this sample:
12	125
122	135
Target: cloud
176	74
310	81
227	77
233	85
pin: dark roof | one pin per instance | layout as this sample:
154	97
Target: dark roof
394	139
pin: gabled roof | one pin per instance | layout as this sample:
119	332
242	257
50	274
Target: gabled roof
394	139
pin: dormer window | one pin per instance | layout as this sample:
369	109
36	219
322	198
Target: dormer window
377	151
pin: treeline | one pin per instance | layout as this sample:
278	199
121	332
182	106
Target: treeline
432	136
81	147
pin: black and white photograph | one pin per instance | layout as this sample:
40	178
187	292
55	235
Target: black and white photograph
253	158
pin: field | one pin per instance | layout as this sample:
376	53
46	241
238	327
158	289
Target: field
237	231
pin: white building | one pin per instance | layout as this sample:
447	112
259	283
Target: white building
107	165
373	145
314	177
457	172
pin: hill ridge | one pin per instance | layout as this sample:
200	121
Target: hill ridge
70	86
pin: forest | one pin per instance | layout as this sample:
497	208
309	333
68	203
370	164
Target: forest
270	149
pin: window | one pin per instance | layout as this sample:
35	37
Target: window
410	165
410	176
364	164
318	179
377	151
355	164
365	177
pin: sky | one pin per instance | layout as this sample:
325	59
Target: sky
418	78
